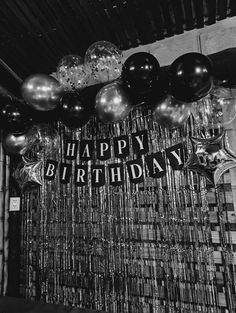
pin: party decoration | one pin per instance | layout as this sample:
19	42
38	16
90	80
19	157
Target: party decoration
112	103
102	149
104	60
13	116
43	140
41	92
73	112
171	113
15	143
140	71
218	109
211	157
28	173
72	73
191	77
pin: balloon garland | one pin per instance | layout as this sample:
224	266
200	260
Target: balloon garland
172	94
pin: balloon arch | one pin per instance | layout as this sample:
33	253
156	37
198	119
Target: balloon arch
172	93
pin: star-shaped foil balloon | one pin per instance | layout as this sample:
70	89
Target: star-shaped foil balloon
28	173
211	157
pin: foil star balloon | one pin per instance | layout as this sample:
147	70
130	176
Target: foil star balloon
211	157
28	173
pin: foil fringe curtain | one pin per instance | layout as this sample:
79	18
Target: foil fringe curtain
164	245
4	202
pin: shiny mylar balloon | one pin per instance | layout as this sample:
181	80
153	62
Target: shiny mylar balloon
43	141
41	92
171	113
28	173
15	143
140	71
113	103
191	77
104	60
211	157
72	73
13	117
73	111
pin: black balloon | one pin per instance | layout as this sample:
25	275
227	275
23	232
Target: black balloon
74	112
191	77
140	70
13	116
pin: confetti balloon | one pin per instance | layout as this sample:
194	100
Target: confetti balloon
72	73
113	103
104	59
41	92
171	113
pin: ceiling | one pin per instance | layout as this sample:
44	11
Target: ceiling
36	34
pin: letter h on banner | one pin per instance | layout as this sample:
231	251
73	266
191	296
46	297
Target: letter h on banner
71	148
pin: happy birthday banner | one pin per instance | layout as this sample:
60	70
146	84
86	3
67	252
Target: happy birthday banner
102	150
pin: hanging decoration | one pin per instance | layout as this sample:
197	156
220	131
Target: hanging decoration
13	117
218	109
28	173
15	143
73	111
171	113
41	92
113	103
191	77
140	71
211	157
105	61
43	140
72	73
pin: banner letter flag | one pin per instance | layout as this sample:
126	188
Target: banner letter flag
140	142
81	175
71	148
135	171
176	155
86	150
98	175
121	146
65	173
103	149
50	169
116	174
156	165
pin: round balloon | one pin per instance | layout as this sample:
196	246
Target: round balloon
15	143
13	116
72	73
171	113
191	77
140	71
104	60
73	112
41	92
113	103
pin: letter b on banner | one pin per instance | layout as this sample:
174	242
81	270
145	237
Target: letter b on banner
50	169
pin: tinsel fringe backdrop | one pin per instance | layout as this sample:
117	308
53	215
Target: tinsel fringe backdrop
164	245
